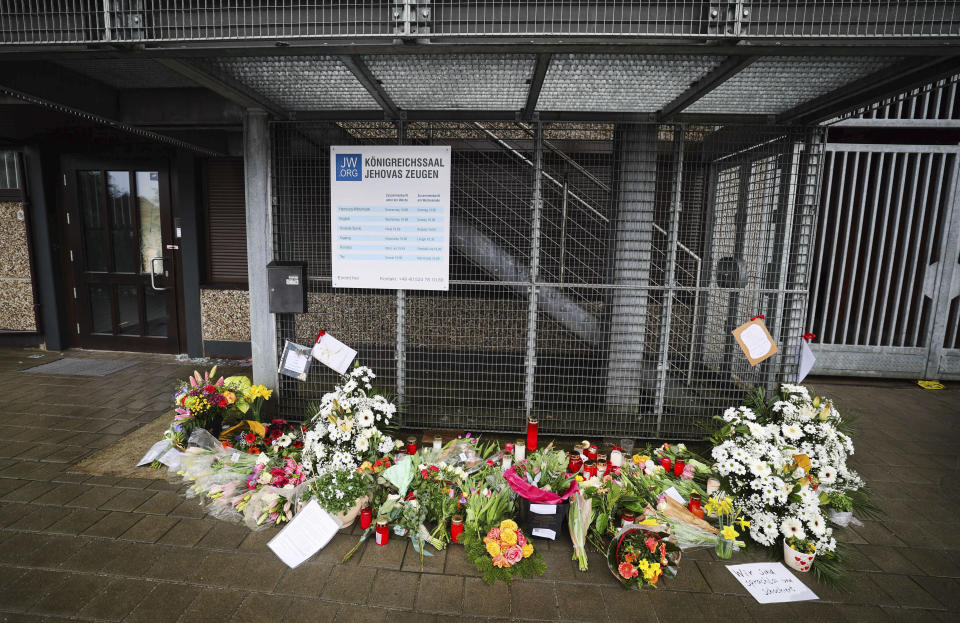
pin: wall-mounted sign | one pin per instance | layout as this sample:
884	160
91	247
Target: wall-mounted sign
390	217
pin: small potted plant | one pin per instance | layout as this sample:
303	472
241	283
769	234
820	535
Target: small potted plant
799	553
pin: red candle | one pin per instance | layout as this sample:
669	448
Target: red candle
532	427
694	502
678	466
590	469
366	517
383	532
574	462
591	453
697	511
665	463
456	528
411	445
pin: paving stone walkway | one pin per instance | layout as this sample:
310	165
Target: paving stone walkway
81	547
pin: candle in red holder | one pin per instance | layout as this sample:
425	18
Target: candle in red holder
456	528
665	463
627	517
383	531
678	467
694	505
366	517
574	462
411	445
590	469
508	448
532	427
591	453
601	467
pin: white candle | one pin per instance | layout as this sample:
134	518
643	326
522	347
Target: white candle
519	449
616	458
713	485
507	462
437	443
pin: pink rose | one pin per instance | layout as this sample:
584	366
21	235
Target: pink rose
494	534
521	540
688	472
513	554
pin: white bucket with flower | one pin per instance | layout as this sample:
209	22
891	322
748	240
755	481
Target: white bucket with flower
798	559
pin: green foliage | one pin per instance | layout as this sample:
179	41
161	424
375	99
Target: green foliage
829	569
840	502
862	504
477	554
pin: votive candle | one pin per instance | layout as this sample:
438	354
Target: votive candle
616	457
411	445
533	426
519	450
438	443
383	531
456	528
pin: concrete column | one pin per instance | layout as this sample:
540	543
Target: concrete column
256	166
636	147
40	203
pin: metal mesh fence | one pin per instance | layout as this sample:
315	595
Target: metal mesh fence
82	21
596	272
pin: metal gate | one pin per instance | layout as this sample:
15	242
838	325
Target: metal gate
596	272
886	285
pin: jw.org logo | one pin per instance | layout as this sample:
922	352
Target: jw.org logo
349	168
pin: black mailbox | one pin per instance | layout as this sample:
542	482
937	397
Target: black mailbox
288	287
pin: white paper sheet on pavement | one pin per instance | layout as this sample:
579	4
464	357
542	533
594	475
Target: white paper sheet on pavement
309	532
771	582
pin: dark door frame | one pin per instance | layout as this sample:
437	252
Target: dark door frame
77	329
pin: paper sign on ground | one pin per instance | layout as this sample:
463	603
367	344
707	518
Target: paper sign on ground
543	509
333	353
771	582
163	452
675	495
755	340
309	532
544	533
806	361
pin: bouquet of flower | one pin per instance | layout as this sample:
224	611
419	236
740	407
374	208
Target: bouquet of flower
337	491
641	555
201	401
780	460
545	470
347	425
503	553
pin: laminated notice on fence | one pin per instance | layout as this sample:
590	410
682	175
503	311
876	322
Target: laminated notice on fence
771	582
390	216
309	532
295	361
333	353
543	509
755	340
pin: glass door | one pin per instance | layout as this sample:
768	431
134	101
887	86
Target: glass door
121	253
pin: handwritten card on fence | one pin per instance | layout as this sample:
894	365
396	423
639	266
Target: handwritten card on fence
308	533
771	582
333	353
755	340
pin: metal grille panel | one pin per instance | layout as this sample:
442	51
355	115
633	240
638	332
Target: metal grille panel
82	21
455	81
605	82
774	85
299	82
584	284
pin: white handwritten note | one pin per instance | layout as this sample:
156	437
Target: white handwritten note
674	494
771	582
308	533
543	509
755	340
333	353
544	533
296	362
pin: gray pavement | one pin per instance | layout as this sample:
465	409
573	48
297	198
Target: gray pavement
81	547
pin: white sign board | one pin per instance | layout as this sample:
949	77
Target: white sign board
390	217
771	582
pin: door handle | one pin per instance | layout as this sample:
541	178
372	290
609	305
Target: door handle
153	274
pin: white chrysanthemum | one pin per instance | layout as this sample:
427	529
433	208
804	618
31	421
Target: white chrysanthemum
284	440
362	444
757	431
792	431
759	468
385	446
827	475
791	527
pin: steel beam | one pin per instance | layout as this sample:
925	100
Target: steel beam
224	86
714	78
363	74
536	84
897	78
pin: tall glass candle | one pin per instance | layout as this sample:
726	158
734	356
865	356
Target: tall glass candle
574	462
519	450
507	461
383	531
616	458
366	516
590	469
411	445
532	428
456	528
438	443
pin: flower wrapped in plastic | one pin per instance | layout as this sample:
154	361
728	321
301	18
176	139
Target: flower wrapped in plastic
643	554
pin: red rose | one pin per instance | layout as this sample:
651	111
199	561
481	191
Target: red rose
209	389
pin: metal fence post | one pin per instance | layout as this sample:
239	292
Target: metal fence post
531	357
663	359
401	346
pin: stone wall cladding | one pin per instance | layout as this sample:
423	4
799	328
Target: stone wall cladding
225	315
16	289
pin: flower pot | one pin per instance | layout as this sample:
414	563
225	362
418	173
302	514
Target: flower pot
537	520
347	517
798	561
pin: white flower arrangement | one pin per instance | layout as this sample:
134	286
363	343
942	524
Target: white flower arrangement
781	461
347	425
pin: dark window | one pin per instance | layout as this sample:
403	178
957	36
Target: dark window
9	176
225	225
